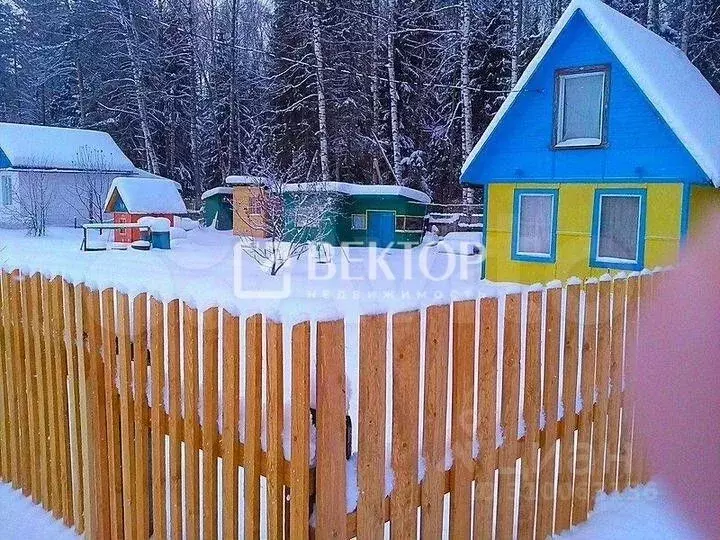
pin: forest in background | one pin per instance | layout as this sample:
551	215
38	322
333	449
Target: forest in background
368	91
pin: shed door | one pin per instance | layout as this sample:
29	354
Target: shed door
381	228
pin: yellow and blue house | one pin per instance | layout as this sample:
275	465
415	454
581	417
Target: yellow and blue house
604	157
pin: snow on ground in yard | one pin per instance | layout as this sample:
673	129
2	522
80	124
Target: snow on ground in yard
642	513
21	519
201	269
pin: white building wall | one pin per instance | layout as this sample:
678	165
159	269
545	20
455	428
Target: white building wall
67	194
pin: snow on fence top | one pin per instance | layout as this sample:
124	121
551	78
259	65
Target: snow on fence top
677	89
145	196
26	146
361	189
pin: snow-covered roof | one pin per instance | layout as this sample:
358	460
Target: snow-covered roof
677	89
43	147
360	189
220	190
245	180
145	196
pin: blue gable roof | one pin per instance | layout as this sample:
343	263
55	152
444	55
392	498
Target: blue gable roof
641	146
4	161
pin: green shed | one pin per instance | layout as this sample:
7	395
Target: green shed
218	208
359	214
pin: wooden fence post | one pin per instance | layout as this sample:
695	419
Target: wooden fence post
331	508
231	381
300	425
509	409
275	412
486	419
98	442
461	430
437	337
253	415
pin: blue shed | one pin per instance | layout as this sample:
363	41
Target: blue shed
604	156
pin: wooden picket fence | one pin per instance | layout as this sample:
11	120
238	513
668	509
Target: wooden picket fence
201	452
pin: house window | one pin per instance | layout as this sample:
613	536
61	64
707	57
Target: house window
535	225
6	191
359	222
619	229
409	223
581	100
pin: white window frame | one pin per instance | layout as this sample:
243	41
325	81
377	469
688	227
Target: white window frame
560	116
549	255
618	260
362	217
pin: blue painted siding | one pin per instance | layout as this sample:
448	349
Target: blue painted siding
641	146
4	161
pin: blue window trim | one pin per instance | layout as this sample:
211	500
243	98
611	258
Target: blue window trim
629	266
685	213
485	189
522	257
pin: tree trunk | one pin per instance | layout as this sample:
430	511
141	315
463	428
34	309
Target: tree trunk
653	16
322	106
465	76
394	97
375	90
131	41
515	35
685	32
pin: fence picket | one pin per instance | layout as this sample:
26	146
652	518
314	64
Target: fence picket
615	389
462	418
508	451
30	389
531	416
405	392
275	411
253	406
331	407
587	385
157	414
300	425
175	420
127	414
75	435
564	495
191	422
51	397
5	446
210	422
81	338
231	380
10	384
637	468
486	420
112	410
96	414
628	410
20	391
140	365
547	476
601	388
434	418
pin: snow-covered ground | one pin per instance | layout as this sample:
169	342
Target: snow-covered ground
644	513
209	268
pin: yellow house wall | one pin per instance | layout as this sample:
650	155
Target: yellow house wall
575	220
245	224
704	202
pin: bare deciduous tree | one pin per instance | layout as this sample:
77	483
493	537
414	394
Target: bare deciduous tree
32	199
89	187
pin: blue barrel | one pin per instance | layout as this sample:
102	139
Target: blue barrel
161	240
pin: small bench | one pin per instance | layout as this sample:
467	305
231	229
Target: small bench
85	246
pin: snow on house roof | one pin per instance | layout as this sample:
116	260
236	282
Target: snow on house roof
145	196
42	147
360	189
677	89
220	190
245	180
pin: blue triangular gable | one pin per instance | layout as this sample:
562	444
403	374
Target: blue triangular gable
4	161
641	146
